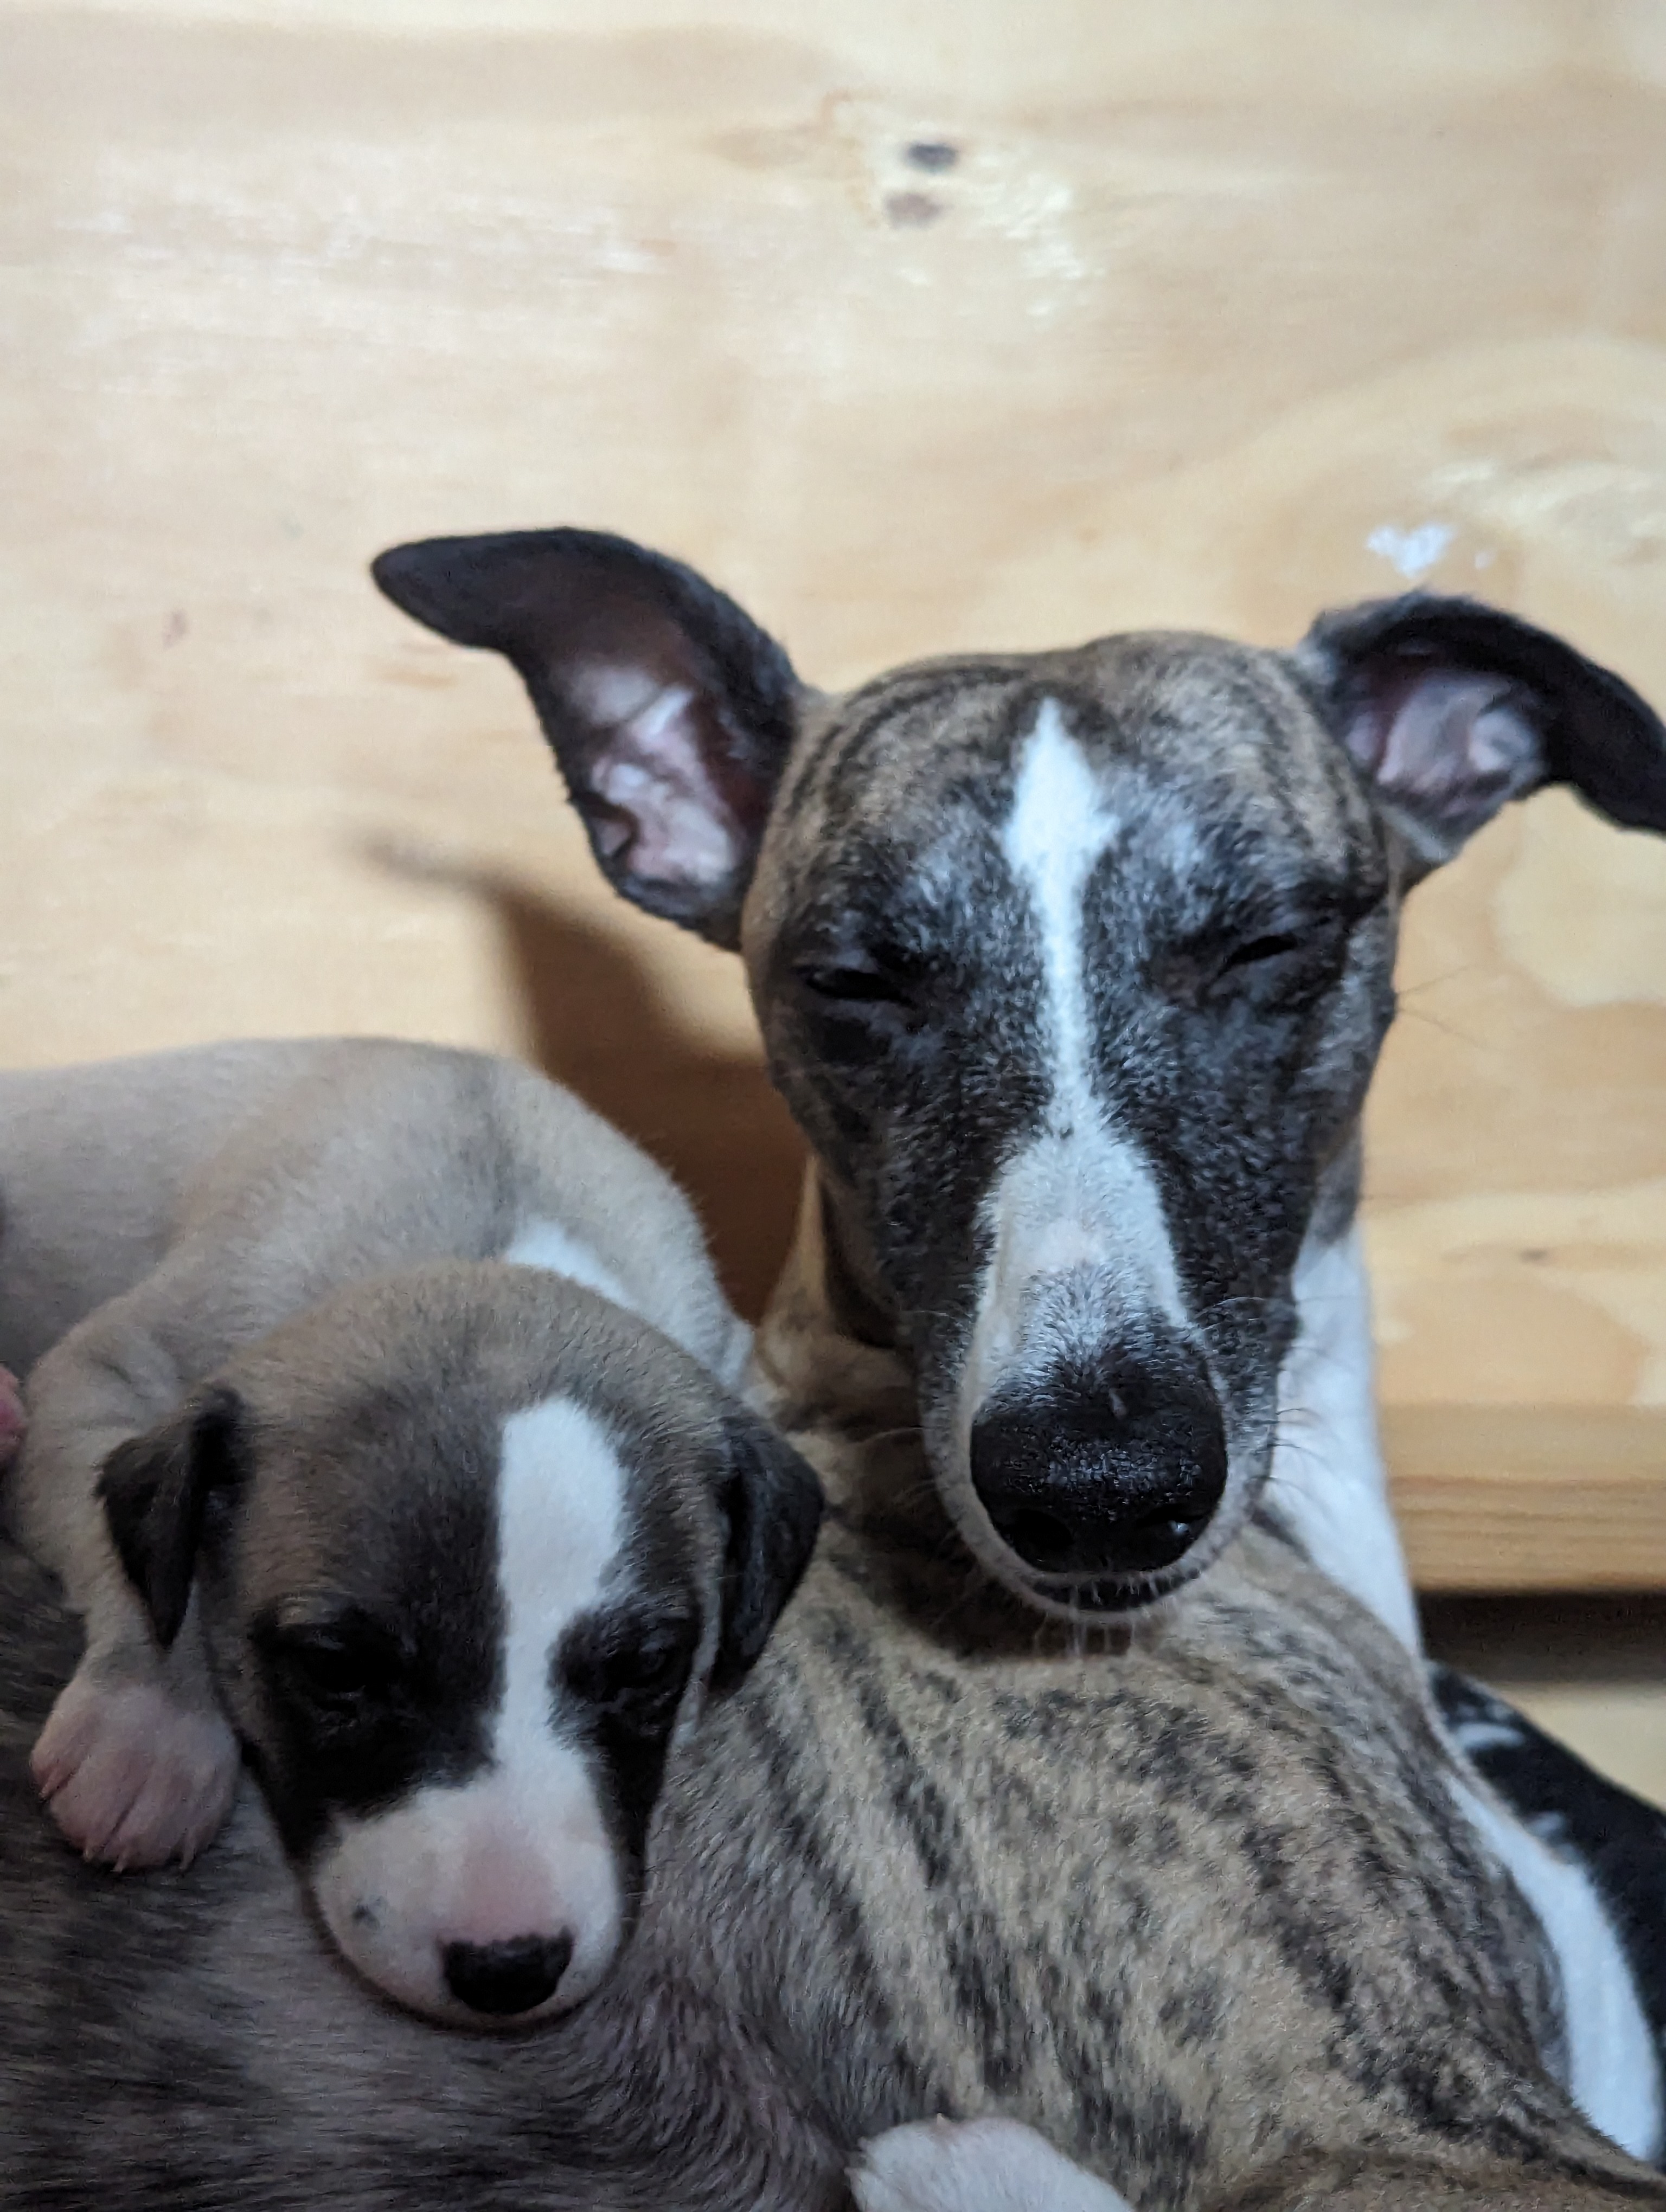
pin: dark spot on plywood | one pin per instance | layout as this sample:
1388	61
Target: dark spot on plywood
911	211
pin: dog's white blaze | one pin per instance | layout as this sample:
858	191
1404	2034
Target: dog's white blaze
1614	2075
1079	1202
1056	834
546	1244
523	1847
1328	1483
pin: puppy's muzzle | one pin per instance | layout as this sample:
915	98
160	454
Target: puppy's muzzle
1110	1471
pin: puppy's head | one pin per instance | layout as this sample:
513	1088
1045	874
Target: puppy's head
1072	966
471	1547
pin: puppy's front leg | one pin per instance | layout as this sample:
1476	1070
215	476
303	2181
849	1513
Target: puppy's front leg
137	1761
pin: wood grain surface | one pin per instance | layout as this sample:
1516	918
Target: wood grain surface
920	325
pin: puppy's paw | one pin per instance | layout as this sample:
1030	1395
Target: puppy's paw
973	2166
12	1418
133	1777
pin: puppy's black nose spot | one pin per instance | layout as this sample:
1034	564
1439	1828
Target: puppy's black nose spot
501	1980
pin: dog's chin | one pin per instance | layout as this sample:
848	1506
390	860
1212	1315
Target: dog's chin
1100	1601
410	1985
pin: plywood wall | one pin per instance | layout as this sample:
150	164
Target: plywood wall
1209	313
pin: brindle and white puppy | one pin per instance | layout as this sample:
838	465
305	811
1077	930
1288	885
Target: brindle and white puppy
443	1549
1075	967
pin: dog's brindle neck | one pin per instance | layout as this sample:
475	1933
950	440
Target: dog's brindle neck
827	1359
1074	967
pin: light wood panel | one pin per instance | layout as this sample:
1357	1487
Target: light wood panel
1221	311
1531	1497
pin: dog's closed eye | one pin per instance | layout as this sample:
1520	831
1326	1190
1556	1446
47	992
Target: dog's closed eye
1282	967
849	985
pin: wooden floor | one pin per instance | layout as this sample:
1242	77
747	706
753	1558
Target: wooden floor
921	328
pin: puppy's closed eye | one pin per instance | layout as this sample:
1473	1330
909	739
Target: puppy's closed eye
336	1674
628	1671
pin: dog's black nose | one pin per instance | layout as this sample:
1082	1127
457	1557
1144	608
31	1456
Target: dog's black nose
1114	1469
503	1979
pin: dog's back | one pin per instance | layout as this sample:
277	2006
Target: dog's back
330	1158
94	1161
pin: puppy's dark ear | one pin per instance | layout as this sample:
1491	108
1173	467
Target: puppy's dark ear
772	1504
1449	708
669	710
155	1489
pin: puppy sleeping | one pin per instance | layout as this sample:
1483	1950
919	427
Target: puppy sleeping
457	1549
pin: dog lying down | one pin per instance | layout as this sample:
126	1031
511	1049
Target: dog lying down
456	1550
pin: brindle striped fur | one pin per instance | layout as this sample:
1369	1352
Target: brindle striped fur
1201	1913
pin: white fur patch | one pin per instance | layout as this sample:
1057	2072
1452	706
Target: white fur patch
973	2166
1056	836
1614	2075
522	1849
1079	1208
546	1244
1328	1483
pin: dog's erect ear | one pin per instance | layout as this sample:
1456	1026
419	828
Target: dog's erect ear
155	1489
669	710
1449	708
772	1506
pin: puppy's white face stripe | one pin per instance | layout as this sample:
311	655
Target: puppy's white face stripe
560	1518
546	1244
1079	1206
525	1848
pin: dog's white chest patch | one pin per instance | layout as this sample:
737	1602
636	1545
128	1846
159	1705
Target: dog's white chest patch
1614	2075
546	1244
1327	1483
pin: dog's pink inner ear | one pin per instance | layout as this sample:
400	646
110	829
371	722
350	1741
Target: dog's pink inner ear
1445	748
666	815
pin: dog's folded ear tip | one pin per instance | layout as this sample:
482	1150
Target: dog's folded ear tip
153	1488
428	579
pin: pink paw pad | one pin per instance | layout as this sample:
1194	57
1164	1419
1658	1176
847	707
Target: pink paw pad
12	1418
133	1777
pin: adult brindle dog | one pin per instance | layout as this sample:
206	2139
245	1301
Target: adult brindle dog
1213	1919
1075	967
